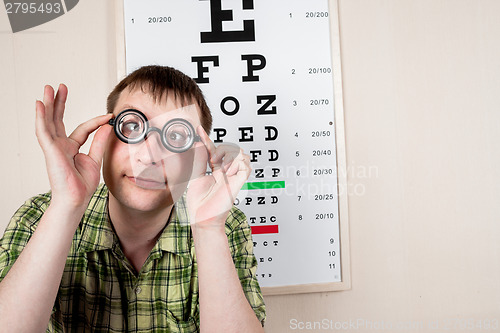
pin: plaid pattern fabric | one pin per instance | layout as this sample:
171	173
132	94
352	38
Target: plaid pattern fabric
101	292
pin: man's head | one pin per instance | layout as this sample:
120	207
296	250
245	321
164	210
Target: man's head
160	82
145	175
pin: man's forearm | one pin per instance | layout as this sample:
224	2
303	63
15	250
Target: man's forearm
28	292
223	305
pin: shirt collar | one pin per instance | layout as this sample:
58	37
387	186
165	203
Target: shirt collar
95	228
177	236
98	234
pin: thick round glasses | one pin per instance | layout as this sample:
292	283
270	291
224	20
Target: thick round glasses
131	126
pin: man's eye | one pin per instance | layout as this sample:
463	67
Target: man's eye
176	136
131	128
177	139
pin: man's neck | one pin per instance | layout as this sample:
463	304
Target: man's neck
137	231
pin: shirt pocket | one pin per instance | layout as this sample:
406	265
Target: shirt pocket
181	326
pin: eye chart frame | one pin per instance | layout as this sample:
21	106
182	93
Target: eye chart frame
336	258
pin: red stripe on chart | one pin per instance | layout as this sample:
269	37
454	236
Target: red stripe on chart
265	229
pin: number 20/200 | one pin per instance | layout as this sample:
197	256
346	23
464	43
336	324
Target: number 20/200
161	19
316	14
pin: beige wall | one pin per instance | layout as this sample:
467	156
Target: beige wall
421	83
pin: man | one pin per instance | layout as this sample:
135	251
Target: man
138	253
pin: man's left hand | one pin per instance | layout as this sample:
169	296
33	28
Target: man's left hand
211	196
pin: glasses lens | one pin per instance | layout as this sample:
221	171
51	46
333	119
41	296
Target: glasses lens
179	135
131	126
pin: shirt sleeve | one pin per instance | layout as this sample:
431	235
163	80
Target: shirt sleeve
19	231
241	245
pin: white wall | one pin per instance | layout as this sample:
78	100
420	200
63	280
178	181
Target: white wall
421	82
77	49
421	97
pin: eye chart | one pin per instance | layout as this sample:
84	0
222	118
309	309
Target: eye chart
270	71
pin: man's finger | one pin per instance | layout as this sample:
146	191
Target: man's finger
200	160
82	132
240	164
59	106
226	153
48	101
212	157
98	145
41	131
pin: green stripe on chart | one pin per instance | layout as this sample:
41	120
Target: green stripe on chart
263	185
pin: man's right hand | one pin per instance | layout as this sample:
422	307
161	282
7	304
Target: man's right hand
73	176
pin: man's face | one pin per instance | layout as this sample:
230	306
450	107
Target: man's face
146	176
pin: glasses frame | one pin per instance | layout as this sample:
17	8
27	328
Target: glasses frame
148	129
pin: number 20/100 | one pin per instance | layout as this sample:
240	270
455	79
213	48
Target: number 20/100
323	70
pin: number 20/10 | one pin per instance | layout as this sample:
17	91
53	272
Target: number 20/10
318	216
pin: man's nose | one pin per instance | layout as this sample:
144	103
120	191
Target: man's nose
151	151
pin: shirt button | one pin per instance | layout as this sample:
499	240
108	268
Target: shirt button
138	290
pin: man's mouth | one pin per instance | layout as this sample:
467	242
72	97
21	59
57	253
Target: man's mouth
148	183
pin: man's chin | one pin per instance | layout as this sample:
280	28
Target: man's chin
148	202
148	193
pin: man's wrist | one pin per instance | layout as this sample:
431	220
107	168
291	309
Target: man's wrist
208	228
64	211
210	231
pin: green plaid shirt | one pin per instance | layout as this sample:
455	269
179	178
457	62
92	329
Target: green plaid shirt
101	292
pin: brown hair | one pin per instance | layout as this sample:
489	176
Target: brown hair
159	81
